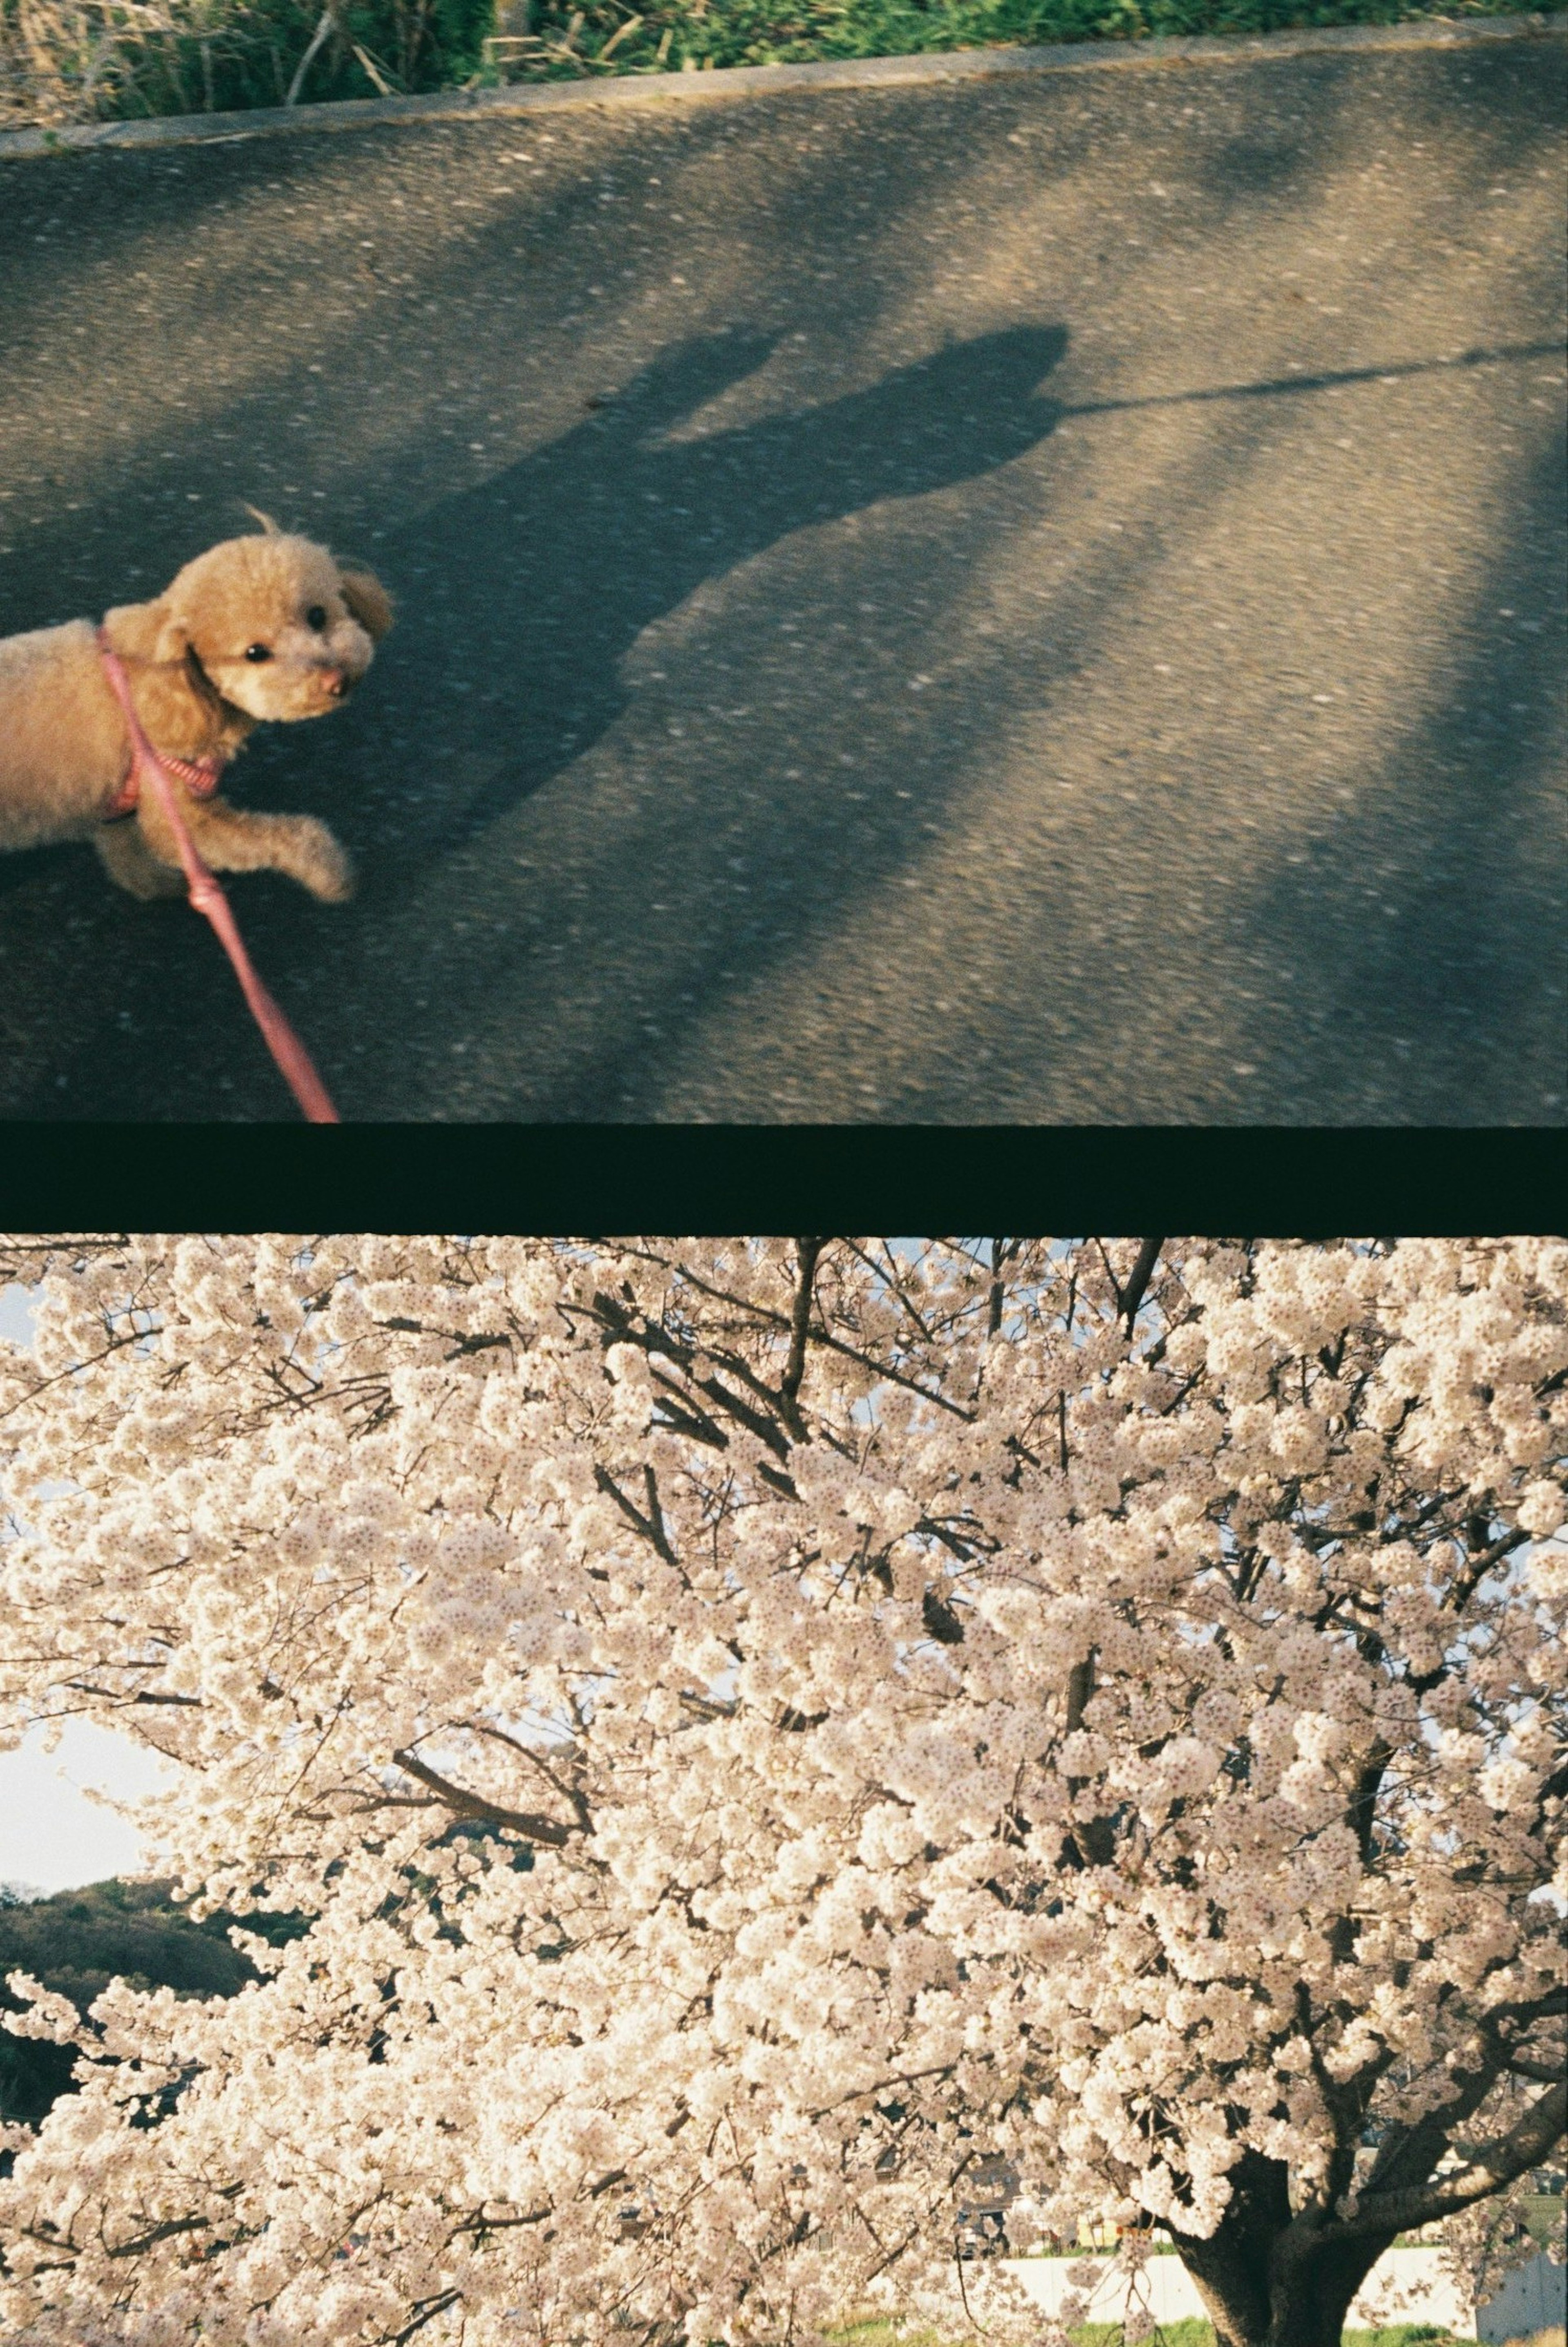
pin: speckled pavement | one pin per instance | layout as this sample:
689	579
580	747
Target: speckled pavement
1037	600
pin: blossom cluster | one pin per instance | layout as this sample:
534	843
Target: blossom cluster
761	1728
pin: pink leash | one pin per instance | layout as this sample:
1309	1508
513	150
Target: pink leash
207	896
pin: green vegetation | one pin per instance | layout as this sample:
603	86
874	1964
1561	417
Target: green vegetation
77	1943
77	60
569	37
1543	2212
1187	2333
1398	2334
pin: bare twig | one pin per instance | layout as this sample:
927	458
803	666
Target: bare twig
318	39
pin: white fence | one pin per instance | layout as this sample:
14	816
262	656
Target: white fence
1534	2298
1404	2285
1165	2288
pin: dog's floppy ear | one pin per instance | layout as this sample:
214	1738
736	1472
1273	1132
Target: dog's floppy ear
170	636
368	600
177	666
170	685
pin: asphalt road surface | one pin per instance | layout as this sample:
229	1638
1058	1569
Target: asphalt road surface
1036	600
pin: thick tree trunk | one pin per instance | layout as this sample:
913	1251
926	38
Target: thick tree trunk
1264	2281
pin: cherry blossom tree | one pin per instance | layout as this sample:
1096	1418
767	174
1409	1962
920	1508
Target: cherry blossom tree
766	1731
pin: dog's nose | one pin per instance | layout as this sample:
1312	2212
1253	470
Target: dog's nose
335	680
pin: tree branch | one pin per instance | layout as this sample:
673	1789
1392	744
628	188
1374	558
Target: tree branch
142	1694
1480	1564
548	1830
1545	2074
809	1251
433	2307
651	1530
1143	1272
571	1793
1488	2170
159	2233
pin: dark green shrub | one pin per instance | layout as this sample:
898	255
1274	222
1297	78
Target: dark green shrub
78	1941
70	60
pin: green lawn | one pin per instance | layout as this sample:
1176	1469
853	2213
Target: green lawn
85	60
1188	2333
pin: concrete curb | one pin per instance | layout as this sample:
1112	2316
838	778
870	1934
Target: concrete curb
764	81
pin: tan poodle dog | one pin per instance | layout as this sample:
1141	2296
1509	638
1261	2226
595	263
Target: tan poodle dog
256	630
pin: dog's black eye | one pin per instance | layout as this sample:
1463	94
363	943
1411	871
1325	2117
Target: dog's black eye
316	617
258	651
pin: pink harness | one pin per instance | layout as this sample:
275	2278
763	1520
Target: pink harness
201	777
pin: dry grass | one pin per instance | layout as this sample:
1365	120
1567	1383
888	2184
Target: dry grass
89	60
72	60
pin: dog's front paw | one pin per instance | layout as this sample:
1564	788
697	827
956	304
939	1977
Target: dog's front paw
323	866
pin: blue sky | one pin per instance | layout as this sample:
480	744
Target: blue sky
52	1836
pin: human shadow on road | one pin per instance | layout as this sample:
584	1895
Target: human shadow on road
521	599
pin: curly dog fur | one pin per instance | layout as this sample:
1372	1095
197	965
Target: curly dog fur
258	630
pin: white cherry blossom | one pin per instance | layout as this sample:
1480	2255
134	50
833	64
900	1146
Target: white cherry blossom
762	1731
